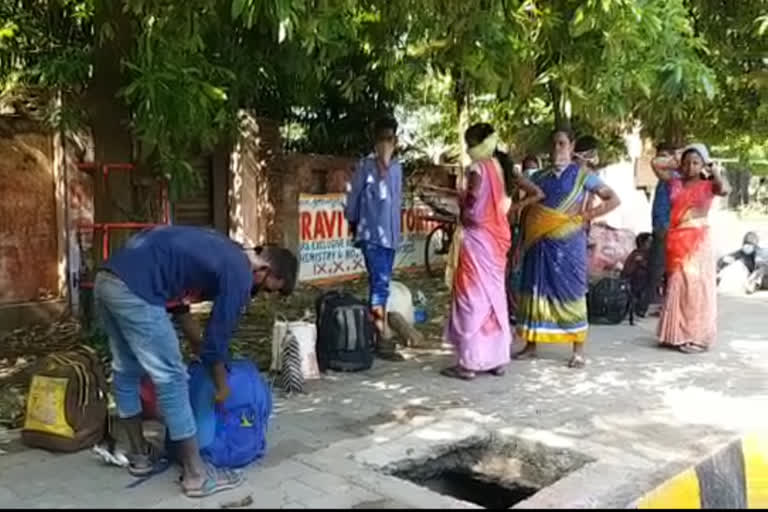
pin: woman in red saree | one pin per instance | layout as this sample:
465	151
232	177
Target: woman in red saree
688	320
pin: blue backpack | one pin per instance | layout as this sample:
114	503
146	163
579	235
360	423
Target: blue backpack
232	434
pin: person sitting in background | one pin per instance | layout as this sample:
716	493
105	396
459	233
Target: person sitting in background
530	166
753	259
636	269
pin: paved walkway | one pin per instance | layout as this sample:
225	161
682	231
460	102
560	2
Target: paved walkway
640	413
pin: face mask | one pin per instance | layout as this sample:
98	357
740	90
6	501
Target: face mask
529	172
748	248
384	151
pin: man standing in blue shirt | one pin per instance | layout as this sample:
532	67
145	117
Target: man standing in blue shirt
131	291
664	163
374	203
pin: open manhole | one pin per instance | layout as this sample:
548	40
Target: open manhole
492	473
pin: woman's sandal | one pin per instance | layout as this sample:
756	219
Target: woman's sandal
216	480
526	353
690	348
498	372
458	373
577	362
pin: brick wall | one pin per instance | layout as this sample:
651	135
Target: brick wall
265	183
293	174
251	200
29	245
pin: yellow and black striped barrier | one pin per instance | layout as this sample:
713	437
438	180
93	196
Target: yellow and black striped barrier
734	477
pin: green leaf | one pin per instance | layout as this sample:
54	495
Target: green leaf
237	8
709	87
762	24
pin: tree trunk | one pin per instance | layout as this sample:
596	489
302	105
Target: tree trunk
109	118
561	105
461	98
674	133
739	178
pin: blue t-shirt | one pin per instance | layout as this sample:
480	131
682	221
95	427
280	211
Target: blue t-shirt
375	203
162	263
662	205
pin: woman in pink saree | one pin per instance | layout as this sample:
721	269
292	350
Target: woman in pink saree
478	325
688	320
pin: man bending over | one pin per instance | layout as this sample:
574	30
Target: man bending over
131	291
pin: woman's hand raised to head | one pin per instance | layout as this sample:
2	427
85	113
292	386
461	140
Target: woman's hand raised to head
720	185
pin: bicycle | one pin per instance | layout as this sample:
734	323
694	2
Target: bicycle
437	245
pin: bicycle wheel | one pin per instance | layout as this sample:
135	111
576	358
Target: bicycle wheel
436	249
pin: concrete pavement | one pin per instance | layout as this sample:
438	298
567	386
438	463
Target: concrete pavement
637	413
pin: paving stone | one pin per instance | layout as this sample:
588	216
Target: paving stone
295	504
8	499
633	404
274	476
295	490
379	504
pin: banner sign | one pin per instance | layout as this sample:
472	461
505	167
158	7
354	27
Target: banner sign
325	243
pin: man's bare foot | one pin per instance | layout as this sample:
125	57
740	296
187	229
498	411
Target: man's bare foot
529	352
577	361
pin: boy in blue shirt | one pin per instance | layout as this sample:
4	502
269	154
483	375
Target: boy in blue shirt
373	207
131	291
665	162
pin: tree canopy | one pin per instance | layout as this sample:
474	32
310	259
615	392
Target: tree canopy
326	68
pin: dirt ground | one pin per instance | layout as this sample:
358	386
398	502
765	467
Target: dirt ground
22	348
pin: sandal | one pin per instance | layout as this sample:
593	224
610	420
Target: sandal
526	353
577	362
456	372
498	372
216	480
140	465
690	348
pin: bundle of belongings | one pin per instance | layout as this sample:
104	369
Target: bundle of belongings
610	298
67	402
67	409
231	434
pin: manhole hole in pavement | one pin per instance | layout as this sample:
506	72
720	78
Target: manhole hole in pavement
492	473
478	489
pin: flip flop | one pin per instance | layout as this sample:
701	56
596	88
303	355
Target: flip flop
498	372
690	348
390	355
146	465
217	480
456	373
524	354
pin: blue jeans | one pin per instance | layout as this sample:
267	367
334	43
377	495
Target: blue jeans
143	341
378	262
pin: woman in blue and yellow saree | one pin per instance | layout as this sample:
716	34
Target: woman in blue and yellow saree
552	304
